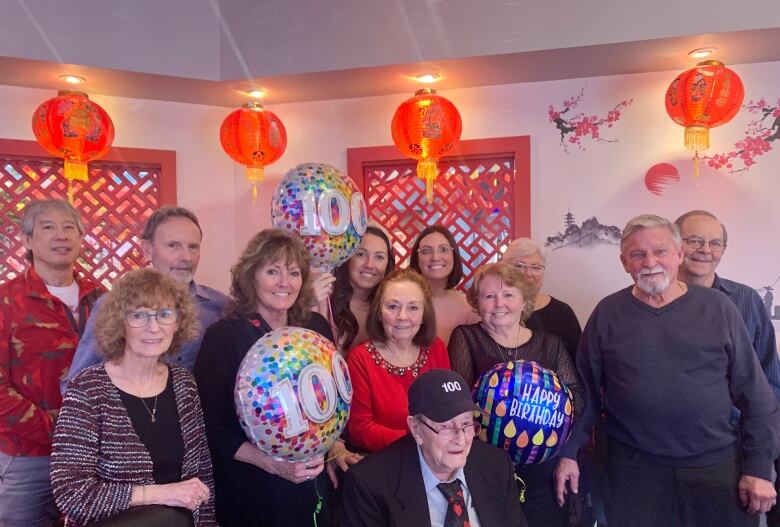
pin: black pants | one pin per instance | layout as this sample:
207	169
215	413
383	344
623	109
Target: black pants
540	507
644	493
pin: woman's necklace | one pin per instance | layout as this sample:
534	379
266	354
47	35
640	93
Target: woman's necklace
511	353
392	369
153	411
509	356
122	374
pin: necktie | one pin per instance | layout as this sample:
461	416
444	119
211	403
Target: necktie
457	515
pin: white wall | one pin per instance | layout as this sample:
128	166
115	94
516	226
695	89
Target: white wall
605	180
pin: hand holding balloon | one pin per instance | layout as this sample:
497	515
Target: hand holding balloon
322	285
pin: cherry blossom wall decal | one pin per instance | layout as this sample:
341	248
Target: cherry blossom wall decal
760	134
577	127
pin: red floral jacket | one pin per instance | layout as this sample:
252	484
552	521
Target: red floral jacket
38	337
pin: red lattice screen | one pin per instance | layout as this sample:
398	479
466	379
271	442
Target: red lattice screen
114	205
481	196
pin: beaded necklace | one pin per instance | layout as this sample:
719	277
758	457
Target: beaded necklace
379	360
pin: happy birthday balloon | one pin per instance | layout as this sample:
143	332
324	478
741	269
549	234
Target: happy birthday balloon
293	393
323	207
527	411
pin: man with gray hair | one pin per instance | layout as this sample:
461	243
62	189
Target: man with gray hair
705	240
670	361
43	312
171	242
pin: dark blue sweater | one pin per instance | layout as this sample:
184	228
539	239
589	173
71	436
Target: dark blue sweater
670	377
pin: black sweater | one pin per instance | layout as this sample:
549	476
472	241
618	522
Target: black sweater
670	377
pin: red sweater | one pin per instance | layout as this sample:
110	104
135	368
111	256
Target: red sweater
37	340
377	416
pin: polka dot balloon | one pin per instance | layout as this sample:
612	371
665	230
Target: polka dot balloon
293	393
323	207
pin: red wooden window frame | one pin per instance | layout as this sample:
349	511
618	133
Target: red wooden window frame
165	158
163	162
519	147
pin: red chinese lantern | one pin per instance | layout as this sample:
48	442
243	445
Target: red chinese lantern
73	127
253	137
425	127
701	98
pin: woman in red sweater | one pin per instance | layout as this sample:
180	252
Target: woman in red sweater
402	345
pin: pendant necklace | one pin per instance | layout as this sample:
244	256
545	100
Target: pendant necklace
153	411
511	353
512	356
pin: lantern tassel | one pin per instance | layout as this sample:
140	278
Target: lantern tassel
70	191
255	175
427	170
76	170
697	138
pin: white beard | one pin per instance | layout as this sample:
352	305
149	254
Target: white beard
653	286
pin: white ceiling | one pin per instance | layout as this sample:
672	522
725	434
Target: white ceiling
208	51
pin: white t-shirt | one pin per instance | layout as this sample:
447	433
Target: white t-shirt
69	296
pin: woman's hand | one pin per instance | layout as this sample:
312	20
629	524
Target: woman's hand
340	458
322	285
188	494
297	472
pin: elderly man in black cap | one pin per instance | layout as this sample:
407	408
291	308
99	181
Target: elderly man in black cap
438	475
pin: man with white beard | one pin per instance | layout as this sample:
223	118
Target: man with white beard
668	361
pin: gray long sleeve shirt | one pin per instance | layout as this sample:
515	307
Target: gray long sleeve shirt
670	377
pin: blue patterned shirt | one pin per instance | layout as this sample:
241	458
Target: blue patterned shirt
210	306
759	326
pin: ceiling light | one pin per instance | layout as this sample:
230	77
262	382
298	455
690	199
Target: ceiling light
428	78
73	79
701	53
257	94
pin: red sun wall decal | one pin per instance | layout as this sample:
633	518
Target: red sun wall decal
659	176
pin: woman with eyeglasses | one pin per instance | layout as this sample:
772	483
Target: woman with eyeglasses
130	433
270	288
402	345
436	256
549	314
504	298
356	282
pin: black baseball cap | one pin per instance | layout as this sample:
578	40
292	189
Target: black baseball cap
440	395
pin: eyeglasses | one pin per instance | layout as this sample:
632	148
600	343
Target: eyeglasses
696	243
533	268
139	319
441	250
451	432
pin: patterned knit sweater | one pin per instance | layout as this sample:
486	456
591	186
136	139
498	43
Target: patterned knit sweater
97	457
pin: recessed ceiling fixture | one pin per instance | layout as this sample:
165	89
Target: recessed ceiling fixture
701	53
257	93
73	79
428	78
